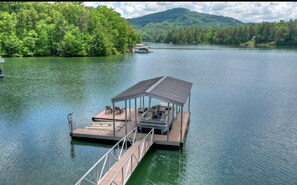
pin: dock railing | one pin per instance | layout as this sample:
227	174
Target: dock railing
126	169
101	167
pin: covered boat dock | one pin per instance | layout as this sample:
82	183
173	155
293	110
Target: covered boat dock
174	93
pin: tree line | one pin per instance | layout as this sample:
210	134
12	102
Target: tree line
63	29
278	33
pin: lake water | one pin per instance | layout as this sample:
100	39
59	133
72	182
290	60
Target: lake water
243	127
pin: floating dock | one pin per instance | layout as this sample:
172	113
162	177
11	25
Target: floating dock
114	123
102	133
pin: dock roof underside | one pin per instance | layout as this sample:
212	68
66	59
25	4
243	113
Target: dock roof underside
167	88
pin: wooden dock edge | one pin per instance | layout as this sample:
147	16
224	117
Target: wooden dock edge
95	138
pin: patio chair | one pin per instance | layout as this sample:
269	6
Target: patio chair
118	110
142	110
108	109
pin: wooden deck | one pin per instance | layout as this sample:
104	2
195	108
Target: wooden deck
109	116
173	139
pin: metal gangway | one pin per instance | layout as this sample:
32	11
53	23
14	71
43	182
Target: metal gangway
118	164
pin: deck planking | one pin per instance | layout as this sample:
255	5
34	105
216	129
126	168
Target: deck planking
109	116
173	139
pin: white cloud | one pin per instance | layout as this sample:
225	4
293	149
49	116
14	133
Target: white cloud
243	11
95	4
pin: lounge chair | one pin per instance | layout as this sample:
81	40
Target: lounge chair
141	110
108	109
118	110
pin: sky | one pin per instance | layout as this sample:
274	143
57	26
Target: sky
255	12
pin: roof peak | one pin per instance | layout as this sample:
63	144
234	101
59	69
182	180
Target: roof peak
165	88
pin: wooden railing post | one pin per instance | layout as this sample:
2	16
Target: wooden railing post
122	176
70	122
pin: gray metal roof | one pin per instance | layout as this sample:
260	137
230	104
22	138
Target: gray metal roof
166	88
136	90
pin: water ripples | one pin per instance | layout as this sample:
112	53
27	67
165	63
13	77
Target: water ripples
242	129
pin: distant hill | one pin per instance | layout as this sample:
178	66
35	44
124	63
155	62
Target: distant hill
185	17
159	22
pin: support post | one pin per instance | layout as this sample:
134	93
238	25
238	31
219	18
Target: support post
129	109
126	128
140	102
181	124
168	121
143	101
136	112
113	116
150	101
189	103
172	111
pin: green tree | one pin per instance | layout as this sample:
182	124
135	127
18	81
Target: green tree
63	29
29	43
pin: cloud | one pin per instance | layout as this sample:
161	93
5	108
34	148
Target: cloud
243	11
95	4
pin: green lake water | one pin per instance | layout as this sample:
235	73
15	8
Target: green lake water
243	127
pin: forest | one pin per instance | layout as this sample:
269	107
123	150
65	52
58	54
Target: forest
266	33
63	29
71	29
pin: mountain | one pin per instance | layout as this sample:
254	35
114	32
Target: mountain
177	18
185	17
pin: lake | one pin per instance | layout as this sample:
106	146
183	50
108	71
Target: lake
243	124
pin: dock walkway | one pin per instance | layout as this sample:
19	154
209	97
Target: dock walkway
103	173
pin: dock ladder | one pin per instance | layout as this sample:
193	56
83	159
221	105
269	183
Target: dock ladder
118	164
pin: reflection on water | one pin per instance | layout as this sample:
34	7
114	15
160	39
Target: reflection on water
77	143
242	130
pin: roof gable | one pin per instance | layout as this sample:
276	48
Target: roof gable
166	88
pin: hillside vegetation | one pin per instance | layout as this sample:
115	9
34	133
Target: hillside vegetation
266	34
182	26
63	29
154	26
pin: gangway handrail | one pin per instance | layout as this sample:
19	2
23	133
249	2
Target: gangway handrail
106	157
143	144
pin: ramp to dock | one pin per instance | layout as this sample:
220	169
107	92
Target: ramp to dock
117	165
